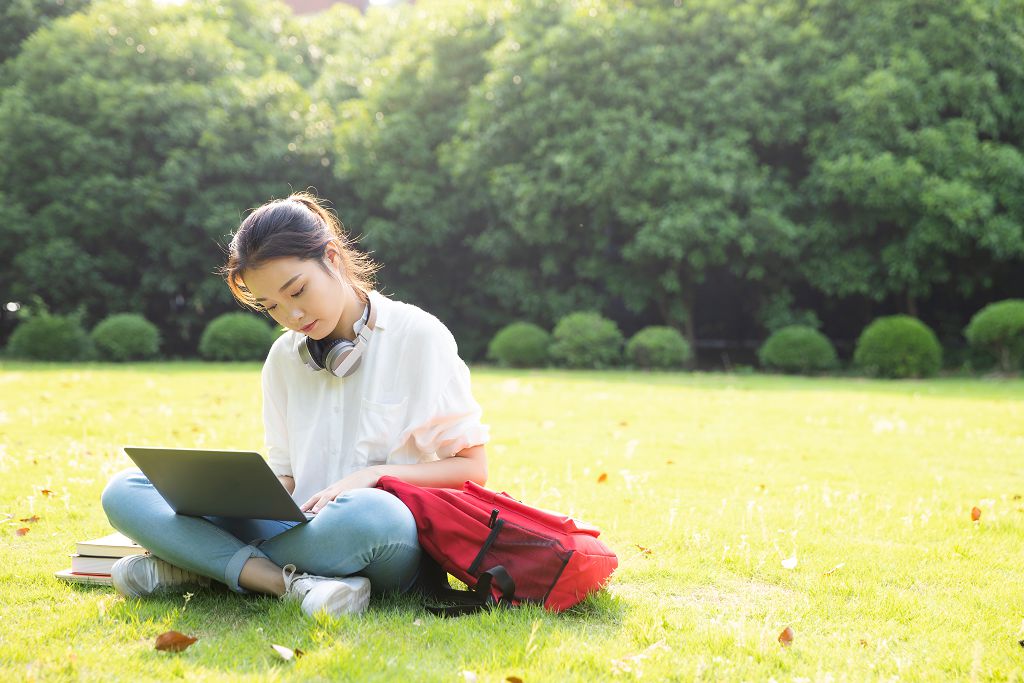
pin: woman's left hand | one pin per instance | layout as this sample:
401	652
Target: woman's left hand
363	479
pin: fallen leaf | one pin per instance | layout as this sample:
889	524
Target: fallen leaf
513	679
22	531
173	641
975	514
670	462
46	492
633	663
623	424
603	478
789	562
31	520
645	551
786	637
834	569
762	487
286	653
863	643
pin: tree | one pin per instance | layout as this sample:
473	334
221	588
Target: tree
916	171
132	138
624	152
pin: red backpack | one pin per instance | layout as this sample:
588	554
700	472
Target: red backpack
506	552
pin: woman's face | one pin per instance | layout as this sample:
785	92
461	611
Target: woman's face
299	294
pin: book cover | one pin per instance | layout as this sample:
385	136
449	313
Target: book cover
112	545
75	577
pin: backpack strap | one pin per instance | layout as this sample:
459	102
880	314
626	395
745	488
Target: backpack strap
432	583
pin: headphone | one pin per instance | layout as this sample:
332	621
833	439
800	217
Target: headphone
340	357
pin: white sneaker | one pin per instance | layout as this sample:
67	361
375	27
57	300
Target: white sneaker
137	576
349	595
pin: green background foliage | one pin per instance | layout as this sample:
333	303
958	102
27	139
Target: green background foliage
723	167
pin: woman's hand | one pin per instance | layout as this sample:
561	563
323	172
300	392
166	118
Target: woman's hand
363	479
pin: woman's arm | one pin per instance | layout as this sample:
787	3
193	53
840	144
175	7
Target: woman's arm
468	464
287	482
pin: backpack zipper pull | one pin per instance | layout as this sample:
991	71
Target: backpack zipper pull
494	516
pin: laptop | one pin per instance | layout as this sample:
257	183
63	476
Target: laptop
201	483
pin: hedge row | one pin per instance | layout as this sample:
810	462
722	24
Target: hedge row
130	337
891	346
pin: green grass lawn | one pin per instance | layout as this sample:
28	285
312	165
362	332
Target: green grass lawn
712	481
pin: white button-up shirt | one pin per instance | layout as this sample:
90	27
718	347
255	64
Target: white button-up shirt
409	401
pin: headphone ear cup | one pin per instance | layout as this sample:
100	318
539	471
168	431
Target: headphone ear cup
315	352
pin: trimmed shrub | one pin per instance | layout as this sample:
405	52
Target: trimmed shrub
126	336
898	346
586	340
999	329
521	345
658	347
50	337
236	337
798	349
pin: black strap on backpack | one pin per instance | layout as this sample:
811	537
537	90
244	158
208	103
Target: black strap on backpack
433	584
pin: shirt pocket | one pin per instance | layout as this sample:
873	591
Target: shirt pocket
380	425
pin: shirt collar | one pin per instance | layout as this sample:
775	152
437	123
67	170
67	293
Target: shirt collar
383	306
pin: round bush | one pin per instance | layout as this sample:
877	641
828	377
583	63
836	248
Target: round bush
236	337
898	346
798	348
999	329
520	344
658	347
126	336
50	337
586	340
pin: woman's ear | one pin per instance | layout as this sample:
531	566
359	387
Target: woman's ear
333	258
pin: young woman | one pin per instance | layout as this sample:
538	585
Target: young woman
359	387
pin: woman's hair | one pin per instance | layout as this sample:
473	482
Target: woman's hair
300	226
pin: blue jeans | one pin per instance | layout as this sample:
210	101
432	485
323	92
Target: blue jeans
367	532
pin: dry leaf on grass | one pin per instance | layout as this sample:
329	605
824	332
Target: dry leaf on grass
603	478
632	663
173	641
975	514
786	637
513	679
645	551
286	653
834	569
46	492
31	520
22	531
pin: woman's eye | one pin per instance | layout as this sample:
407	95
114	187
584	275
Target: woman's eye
298	293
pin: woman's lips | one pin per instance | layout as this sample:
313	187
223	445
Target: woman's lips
309	327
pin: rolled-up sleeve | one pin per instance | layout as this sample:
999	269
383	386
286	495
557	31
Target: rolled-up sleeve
446	418
275	427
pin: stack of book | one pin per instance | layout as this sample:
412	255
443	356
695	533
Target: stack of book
93	559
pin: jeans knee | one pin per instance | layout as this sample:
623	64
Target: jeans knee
117	493
380	513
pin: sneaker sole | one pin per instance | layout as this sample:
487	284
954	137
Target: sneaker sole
352	601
